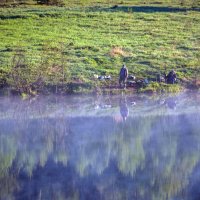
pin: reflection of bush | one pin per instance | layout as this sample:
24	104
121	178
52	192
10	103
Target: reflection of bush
7	153
171	161
8	183
130	152
150	155
125	144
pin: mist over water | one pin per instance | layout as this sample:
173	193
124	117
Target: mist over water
107	147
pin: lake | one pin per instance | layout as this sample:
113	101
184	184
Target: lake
100	147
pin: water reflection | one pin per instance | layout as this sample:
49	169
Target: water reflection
171	103
66	148
123	108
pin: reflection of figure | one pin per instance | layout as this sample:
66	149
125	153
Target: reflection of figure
123	108
171	103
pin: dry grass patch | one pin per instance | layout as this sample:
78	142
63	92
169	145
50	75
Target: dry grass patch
118	51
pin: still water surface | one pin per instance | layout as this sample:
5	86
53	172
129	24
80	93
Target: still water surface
106	147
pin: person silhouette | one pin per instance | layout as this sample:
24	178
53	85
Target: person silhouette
123	74
171	77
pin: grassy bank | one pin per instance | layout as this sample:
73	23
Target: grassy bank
46	45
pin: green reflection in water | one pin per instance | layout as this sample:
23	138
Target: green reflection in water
154	156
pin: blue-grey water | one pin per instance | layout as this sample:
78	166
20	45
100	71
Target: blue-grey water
107	147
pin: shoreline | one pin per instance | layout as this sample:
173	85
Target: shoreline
152	88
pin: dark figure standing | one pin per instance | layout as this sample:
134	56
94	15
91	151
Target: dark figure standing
171	77
123	76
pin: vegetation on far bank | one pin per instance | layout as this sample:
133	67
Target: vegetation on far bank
63	48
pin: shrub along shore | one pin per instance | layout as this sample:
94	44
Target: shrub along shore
57	49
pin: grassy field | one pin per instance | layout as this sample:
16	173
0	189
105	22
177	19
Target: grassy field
74	42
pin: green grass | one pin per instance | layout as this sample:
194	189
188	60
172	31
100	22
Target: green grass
81	39
161	88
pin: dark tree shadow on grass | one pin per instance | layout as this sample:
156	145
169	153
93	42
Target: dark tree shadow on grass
148	9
